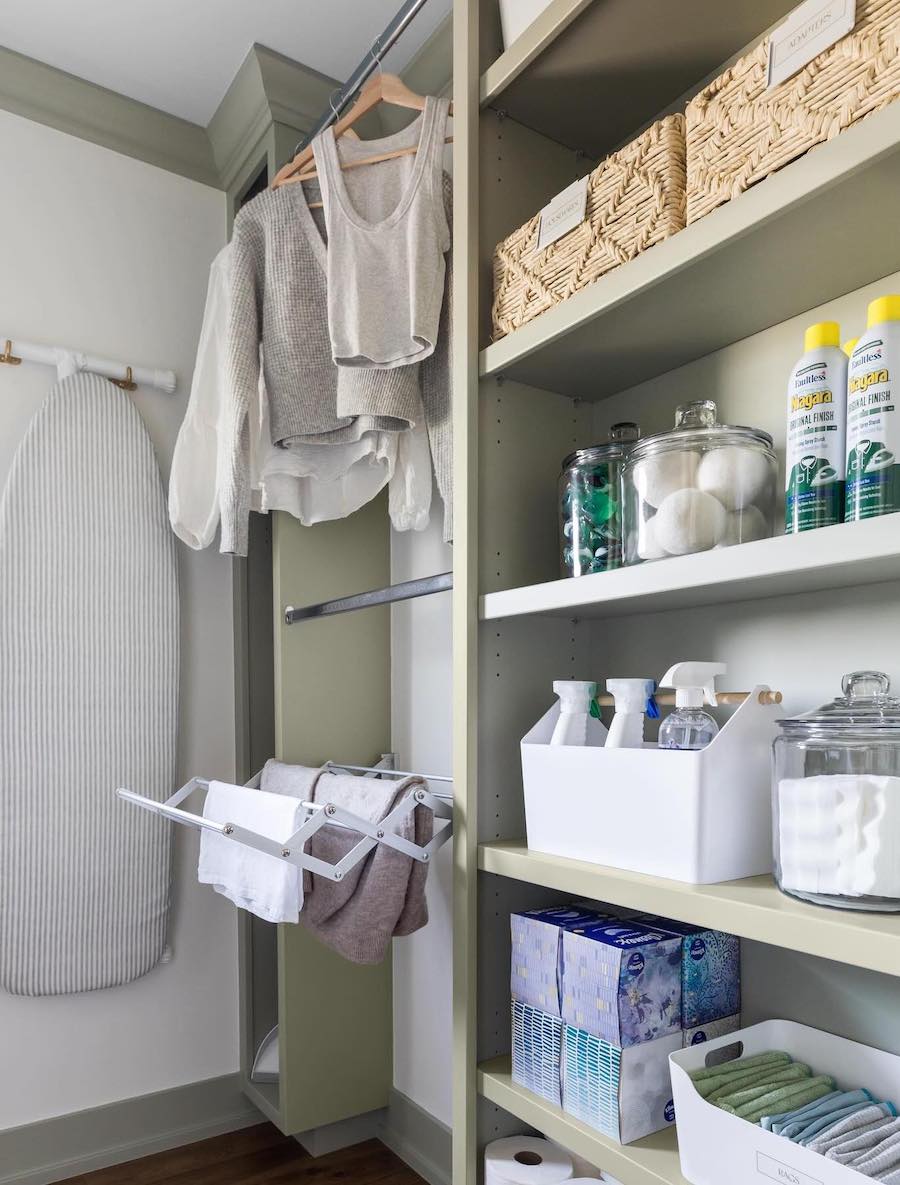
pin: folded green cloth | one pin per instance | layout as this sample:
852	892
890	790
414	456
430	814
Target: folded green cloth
782	1098
739	1066
711	1088
749	1094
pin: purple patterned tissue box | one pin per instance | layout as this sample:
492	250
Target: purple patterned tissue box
535	962
622	982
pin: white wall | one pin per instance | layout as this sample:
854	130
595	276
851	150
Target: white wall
109	255
421	725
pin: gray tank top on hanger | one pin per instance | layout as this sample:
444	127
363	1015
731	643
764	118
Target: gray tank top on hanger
386	261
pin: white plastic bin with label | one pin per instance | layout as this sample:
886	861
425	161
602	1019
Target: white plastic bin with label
699	817
715	1146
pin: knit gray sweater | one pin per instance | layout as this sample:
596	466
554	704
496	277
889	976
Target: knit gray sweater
279	301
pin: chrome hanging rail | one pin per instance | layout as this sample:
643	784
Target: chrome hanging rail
370	63
406	591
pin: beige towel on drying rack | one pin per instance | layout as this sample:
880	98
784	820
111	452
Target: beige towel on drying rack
381	897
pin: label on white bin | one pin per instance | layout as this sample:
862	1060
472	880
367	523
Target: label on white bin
782	1172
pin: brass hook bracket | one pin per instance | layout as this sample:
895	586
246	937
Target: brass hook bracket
8	357
127	383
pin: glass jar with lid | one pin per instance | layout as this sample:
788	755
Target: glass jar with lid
590	504
836	799
700	486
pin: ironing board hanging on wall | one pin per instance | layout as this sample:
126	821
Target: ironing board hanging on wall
88	696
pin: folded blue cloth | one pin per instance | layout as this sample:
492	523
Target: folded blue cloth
773	1122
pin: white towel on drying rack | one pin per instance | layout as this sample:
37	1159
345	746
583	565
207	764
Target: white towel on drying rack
267	886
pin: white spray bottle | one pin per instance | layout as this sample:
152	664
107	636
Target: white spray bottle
575	725
633	698
689	727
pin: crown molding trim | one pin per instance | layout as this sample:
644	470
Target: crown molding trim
268	89
59	100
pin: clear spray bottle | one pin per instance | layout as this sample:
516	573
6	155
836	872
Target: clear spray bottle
689	727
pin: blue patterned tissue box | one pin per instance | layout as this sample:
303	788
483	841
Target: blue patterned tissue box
624	1093
537	1051
710	971
535	962
622	982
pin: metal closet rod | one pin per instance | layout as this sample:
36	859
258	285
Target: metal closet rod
405	591
370	63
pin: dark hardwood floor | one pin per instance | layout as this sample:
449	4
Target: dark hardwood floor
258	1156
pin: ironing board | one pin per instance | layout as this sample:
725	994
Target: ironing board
88	696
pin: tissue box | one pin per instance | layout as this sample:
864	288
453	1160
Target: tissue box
535	964
710	971
537	1051
715	1028
622	982
624	1093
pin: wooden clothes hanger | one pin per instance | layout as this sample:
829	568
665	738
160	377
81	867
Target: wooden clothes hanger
383	88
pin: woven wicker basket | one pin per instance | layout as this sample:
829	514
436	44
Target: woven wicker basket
635	199
738	132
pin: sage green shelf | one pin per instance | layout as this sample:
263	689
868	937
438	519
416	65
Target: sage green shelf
653	1161
752	908
578	74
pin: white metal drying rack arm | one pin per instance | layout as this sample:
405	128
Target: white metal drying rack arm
120	373
318	815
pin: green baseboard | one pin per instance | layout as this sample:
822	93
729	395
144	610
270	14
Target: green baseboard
66	1146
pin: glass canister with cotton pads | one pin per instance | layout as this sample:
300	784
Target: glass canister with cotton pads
836	799
590	504
700	486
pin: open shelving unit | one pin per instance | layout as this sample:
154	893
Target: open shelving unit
707	313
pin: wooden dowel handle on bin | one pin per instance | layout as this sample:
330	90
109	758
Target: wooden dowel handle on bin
667	698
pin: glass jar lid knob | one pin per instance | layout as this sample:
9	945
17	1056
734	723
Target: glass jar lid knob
860	685
700	413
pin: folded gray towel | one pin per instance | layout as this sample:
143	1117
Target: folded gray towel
859	1144
854	1125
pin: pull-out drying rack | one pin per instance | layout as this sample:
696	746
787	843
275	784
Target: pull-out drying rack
319	814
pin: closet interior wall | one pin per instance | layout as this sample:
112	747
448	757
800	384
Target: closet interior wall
801	644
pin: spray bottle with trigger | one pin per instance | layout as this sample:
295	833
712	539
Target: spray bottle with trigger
633	698
689	727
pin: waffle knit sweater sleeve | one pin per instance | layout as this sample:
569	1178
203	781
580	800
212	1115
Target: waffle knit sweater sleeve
242	370
435	378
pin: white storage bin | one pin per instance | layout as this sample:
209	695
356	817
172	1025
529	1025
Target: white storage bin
517	15
699	817
715	1146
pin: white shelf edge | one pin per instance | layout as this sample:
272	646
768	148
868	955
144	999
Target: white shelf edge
752	908
653	1161
541	33
830	557
823	167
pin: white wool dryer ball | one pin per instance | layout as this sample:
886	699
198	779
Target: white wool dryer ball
648	547
735	476
657	477
743	526
689	520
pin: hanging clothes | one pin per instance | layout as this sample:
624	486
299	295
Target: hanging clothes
388	233
312	482
279	299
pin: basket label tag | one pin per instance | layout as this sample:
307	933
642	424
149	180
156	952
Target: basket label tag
564	213
810	29
782	1172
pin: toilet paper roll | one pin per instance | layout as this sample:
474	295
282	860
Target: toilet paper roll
526	1160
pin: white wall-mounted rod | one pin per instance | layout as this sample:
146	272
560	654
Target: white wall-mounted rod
69	362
